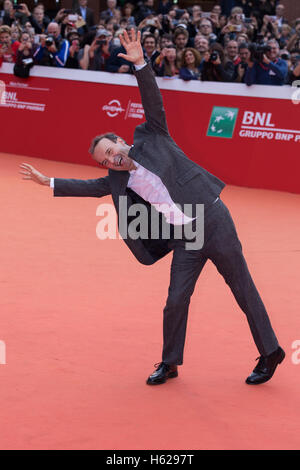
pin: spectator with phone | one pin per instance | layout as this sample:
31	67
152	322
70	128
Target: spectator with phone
53	50
8	48
25	56
165	64
266	68
190	65
86	13
95	56
74	47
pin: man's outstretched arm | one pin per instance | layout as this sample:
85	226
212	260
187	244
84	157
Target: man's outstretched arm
150	94
68	187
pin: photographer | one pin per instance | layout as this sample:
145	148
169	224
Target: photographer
94	57
54	50
212	66
74	47
165	64
25	56
8	49
245	58
265	66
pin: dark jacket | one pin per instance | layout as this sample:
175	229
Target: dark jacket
187	74
89	18
274	73
155	150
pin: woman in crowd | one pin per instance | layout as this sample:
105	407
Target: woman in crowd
8	48
213	65
127	14
165	64
190	65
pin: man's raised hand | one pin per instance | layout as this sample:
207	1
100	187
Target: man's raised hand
132	45
30	173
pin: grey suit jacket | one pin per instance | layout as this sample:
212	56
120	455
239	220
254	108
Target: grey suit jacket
154	149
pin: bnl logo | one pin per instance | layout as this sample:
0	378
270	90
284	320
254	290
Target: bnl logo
222	122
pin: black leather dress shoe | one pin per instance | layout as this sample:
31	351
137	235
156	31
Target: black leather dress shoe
162	373
266	367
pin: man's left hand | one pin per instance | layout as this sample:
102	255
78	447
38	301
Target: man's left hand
133	47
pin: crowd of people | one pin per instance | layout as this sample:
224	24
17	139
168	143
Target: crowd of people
252	43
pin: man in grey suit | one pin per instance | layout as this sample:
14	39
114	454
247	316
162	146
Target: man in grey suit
157	174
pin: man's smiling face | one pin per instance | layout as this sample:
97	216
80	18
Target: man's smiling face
113	155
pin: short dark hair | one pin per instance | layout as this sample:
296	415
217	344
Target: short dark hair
150	36
109	135
244	45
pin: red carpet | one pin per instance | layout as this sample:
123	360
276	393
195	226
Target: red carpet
82	325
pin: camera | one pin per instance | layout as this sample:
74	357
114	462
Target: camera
28	62
49	41
17	7
258	51
101	42
214	56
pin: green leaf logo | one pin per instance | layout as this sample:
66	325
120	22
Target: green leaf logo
222	122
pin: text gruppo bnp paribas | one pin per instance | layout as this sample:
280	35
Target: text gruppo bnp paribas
257	125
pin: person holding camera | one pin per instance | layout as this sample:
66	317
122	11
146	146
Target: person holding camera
165	64
245	58
53	50
25	56
265	66
8	49
212	66
94	56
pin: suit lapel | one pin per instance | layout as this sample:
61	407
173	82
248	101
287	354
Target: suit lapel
119	180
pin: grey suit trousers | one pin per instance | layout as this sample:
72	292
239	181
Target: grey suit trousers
223	248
